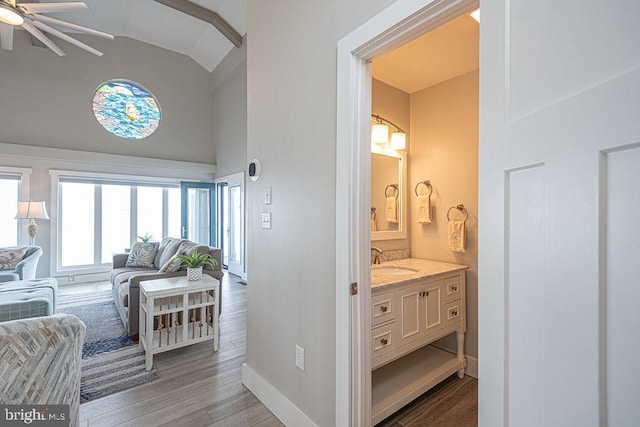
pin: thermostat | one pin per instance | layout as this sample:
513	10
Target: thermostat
254	170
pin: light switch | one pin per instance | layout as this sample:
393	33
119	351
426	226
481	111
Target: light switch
266	219
267	196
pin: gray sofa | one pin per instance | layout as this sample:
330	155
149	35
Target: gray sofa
125	281
25	269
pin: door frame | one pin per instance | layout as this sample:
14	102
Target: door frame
240	178
395	26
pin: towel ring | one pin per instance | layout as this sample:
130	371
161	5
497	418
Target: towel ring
427	184
393	186
461	208
373	214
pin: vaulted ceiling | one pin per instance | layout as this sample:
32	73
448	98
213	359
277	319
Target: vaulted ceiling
155	23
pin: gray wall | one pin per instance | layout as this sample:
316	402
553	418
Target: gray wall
291	75
46	99
230	120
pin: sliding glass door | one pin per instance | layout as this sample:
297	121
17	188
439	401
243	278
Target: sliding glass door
231	222
198	212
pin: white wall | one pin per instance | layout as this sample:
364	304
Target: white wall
393	104
46	99
444	149
291	75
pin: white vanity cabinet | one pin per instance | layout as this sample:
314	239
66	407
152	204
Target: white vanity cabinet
408	315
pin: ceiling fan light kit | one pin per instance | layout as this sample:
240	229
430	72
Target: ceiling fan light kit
28	16
10	15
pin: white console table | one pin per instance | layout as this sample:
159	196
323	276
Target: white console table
176	312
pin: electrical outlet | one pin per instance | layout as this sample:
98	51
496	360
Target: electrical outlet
300	357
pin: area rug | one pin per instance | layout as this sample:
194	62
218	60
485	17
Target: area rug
111	361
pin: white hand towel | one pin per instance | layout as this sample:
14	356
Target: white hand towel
424	209
456	236
391	210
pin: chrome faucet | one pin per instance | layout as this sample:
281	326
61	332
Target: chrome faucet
376	252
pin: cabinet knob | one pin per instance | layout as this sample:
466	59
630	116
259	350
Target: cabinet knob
454	313
383	308
383	341
454	289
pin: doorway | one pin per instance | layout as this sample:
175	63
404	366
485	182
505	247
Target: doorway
402	23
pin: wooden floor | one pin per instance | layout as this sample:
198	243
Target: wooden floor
198	387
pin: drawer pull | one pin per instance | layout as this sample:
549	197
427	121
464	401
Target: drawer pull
454	313
454	289
384	341
384	308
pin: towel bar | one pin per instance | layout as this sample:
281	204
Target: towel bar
427	184
461	208
373	214
393	186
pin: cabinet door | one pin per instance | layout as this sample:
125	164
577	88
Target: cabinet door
409	305
431	307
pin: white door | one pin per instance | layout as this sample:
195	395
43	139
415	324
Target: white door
559	200
232	221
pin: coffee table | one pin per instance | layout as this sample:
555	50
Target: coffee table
177	312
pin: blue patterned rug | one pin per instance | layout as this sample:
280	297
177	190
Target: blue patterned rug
111	361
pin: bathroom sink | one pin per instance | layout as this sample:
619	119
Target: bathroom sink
392	271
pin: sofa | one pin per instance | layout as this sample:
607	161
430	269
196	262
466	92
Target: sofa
25	269
125	281
40	360
22	299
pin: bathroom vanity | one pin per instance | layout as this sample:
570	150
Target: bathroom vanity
414	302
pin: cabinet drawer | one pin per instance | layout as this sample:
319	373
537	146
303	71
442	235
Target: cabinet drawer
382	309
383	339
452	313
452	288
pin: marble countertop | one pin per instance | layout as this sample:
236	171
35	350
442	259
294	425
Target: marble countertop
422	269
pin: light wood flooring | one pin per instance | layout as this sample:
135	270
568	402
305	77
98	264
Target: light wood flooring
198	387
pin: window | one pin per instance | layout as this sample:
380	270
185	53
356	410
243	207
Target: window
98	217
126	109
10	195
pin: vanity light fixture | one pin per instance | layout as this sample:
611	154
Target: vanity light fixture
380	134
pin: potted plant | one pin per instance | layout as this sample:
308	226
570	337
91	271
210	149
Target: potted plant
195	262
146	238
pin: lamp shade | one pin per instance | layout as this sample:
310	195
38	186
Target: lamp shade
399	141
379	133
32	210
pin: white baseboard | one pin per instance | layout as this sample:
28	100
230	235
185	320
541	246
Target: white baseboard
472	367
276	402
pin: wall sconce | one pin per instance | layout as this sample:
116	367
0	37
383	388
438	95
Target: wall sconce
32	211
380	134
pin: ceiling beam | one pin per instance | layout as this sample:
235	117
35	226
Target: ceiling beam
206	15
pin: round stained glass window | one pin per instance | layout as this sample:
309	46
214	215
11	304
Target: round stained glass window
126	109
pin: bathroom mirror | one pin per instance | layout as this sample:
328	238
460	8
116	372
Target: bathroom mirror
388	177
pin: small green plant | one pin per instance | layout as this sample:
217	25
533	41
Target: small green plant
196	260
146	238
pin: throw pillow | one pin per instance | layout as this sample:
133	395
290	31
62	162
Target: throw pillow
172	265
10	257
142	254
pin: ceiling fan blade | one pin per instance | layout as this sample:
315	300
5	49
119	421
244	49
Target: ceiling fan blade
66	38
73	26
53	7
44	39
6	36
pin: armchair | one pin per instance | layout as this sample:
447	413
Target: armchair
25	269
40	361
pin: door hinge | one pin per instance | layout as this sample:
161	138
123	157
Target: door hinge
354	288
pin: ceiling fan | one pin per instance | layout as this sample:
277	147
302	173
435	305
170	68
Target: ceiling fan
29	16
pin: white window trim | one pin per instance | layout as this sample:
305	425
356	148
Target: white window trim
24	188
